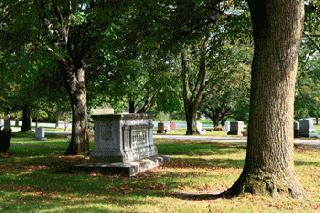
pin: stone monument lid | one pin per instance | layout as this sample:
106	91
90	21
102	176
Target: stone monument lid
131	116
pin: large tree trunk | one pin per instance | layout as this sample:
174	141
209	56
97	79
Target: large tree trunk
75	84
215	119
26	118
7	119
132	108
191	117
269	166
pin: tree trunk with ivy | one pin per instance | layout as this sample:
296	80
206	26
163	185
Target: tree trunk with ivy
269	166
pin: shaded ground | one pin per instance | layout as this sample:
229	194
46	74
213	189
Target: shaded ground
36	177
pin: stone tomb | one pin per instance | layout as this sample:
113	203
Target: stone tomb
306	128
236	128
124	145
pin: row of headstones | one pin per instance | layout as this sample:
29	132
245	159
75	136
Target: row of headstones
166	127
305	128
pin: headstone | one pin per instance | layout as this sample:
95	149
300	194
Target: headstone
124	144
198	127
161	127
227	126
39	134
296	129
236	128
173	126
306	128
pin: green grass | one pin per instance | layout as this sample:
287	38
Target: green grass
182	131
36	177
317	127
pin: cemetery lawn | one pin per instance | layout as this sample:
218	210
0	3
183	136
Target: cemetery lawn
36	177
182	131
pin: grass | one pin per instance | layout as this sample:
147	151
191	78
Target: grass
36	177
182	131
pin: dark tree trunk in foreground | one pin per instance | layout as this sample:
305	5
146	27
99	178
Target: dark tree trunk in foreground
269	166
132	108
192	97
75	85
7	118
16	124
26	118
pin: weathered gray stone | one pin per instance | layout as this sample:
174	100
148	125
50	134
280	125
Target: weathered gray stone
227	126
125	168
306	128
123	139
39	134
236	128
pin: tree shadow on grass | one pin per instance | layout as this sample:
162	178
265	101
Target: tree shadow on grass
185	163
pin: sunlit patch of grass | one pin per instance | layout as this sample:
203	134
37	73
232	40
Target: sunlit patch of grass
37	177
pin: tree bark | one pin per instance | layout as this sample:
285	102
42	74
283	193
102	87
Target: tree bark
132	108
7	118
26	118
269	166
216	119
16	124
75	84
192	102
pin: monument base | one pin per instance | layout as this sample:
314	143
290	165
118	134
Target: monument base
125	168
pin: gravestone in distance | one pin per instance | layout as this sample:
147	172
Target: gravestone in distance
227	126
161	127
236	128
124	145
173	126
39	134
306	128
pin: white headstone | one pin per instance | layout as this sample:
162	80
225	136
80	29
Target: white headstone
227	126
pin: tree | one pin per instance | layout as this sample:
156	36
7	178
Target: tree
193	90
269	166
70	32
229	82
